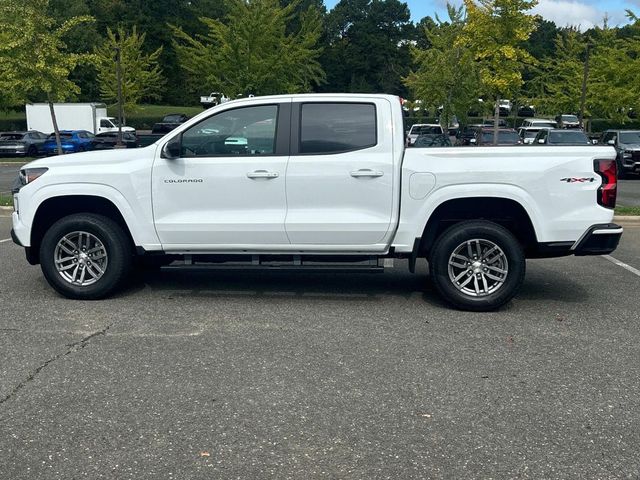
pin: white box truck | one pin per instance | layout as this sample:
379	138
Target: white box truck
72	116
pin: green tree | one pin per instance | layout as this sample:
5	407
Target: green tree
33	55
446	73
141	75
557	80
251	51
151	17
613	78
495	33
368	47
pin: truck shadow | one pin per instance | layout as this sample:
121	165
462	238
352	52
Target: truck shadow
540	284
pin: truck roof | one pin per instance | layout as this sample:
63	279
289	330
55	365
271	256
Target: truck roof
92	104
316	96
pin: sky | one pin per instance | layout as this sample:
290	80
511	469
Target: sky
582	13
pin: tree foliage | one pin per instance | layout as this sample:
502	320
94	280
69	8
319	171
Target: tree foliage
34	59
495	33
140	73
367	46
557	80
446	74
250	52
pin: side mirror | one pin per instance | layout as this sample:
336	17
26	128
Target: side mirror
173	148
611	142
541	141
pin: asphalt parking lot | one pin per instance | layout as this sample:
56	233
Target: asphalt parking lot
266	375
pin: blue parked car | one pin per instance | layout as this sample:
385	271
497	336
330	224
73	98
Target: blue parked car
72	141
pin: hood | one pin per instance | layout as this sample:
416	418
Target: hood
93	159
631	146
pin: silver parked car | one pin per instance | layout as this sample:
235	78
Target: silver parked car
21	144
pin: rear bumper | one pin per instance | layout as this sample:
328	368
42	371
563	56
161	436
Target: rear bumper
600	239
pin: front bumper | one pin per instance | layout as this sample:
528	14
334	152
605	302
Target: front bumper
600	239
13	151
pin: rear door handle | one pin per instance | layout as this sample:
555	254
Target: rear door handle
366	172
262	174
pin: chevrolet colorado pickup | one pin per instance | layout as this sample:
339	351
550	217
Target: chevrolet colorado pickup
314	181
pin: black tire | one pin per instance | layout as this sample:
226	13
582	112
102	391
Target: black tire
32	152
116	243
488	233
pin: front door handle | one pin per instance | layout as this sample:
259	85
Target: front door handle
366	172
262	174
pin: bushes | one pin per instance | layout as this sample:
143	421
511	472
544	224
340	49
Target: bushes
7	124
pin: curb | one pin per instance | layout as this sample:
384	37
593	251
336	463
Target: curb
627	220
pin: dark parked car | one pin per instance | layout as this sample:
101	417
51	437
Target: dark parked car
106	140
21	144
506	136
526	111
71	141
466	134
169	122
568	121
627	145
558	136
432	140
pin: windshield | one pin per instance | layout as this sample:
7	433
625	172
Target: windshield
530	133
11	136
177	118
425	129
567	138
630	137
569	118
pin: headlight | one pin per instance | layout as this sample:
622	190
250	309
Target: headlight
28	175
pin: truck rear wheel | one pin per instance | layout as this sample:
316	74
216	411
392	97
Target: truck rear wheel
477	265
85	256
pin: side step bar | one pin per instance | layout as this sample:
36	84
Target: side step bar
292	264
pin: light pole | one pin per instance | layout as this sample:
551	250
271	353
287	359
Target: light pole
119	80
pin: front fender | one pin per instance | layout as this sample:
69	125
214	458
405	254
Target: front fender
138	217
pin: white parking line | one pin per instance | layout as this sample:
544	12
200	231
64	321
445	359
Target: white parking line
615	261
5	240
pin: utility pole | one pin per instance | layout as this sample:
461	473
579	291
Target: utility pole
585	77
119	80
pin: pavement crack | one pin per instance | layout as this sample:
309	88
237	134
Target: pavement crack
71	348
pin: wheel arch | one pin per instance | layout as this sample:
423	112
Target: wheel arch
503	211
54	208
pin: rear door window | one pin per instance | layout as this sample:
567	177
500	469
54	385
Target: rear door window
327	128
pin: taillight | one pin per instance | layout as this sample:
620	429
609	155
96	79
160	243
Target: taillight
607	169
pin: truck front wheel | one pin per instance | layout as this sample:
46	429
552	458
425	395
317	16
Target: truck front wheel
85	256
477	265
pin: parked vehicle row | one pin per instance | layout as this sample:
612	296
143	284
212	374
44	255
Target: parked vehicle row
33	143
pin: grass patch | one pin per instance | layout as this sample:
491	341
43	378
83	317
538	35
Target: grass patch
627	211
6	200
19	160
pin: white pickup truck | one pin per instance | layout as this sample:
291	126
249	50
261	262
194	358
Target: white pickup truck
314	181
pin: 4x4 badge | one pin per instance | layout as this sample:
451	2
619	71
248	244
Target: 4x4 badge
578	180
